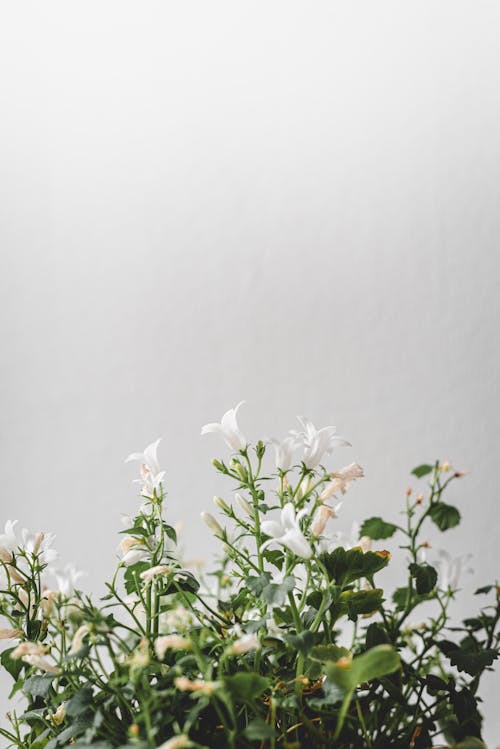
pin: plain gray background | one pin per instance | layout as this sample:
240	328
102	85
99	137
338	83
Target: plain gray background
288	202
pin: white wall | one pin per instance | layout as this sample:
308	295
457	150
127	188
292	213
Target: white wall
293	203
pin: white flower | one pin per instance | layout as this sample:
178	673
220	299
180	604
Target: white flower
228	429
67	578
317	442
284	451
341	480
347	540
78	638
287	532
151	474
8	539
450	569
244	644
40	544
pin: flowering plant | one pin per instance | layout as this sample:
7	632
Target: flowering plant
293	643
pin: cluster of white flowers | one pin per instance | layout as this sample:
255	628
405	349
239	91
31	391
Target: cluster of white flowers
314	444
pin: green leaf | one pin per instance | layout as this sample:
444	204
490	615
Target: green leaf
257	583
373	664
13	666
357	602
470	742
376	528
444	516
422	470
259	730
38	686
80	702
276	594
472	663
324	653
376	635
345	567
302	642
244	687
425	578
131	576
483	590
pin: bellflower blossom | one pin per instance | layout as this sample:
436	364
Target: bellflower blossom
229	430
317	442
284	451
287	532
151	474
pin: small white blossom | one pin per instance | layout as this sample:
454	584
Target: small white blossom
284	451
450	569
317	442
40	544
287	532
8	539
151	474
67	578
229	430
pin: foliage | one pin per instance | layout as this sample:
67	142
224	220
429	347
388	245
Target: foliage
293	645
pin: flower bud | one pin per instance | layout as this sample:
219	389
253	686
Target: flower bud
244	504
323	515
238	468
171	642
222	505
219	465
176	742
212	523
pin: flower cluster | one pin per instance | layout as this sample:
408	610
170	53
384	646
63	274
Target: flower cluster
290	641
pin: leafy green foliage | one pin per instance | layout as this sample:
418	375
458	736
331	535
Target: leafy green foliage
266	657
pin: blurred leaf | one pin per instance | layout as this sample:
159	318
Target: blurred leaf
444	516
422	470
275	593
425	577
38	686
373	664
244	687
345	567
259	730
376	528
